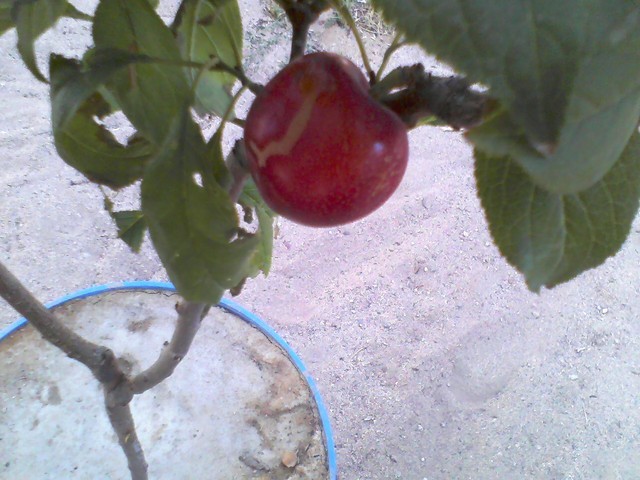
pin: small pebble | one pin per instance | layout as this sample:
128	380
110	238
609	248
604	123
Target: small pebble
289	459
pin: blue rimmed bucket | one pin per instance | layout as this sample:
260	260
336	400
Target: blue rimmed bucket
232	308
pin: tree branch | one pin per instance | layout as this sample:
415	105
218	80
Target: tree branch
124	426
190	314
414	94
99	359
190	317
96	357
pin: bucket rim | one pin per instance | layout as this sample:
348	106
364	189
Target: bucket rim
231	307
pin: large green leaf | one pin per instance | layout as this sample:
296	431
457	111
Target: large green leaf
567	73
583	155
207	29
32	18
152	95
550	237
192	221
80	140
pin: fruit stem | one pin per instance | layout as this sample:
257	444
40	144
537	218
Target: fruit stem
348	19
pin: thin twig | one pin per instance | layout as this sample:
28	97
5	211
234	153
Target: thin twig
238	122
190	317
228	114
215	64
398	42
348	19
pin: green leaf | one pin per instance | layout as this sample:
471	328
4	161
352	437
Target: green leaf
32	18
74	82
500	136
549	237
131	224
207	29
91	149
131	227
6	22
151	95
582	156
251	198
79	139
73	12
565	72
192	221
215	165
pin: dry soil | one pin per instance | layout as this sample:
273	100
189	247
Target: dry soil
433	358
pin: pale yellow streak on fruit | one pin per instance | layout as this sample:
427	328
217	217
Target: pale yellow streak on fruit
298	124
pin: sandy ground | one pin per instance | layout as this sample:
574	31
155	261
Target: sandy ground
434	360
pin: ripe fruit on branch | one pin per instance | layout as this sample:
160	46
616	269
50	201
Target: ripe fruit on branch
321	151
